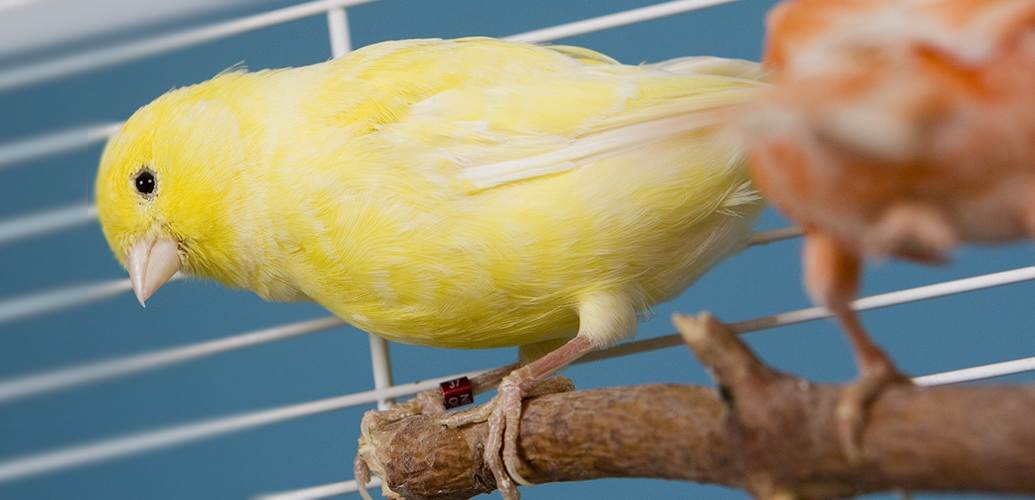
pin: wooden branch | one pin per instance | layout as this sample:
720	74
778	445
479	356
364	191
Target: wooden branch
770	434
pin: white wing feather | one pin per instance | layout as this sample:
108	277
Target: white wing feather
589	146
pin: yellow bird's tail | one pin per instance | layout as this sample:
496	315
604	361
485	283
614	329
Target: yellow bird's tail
707	65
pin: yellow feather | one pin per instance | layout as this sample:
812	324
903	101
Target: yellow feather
466	193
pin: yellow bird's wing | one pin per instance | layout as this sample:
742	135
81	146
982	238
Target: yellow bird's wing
636	107
505	112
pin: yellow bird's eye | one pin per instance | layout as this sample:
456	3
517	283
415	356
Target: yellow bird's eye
145	183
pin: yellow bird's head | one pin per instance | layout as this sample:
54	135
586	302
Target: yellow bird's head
169	186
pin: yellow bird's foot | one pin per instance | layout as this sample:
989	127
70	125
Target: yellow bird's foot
877	374
504	416
431	402
424	403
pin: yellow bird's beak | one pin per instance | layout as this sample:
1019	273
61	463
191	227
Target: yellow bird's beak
151	262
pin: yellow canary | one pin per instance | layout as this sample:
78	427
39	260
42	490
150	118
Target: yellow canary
466	193
463	193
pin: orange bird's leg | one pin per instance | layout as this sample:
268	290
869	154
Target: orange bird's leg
832	279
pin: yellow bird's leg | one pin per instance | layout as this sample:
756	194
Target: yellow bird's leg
832	279
528	353
603	320
490	380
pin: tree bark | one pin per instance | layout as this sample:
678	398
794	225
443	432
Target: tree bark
770	434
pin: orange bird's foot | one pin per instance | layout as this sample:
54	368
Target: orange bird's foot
877	374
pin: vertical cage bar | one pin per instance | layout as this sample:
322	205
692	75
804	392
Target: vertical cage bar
382	367
341	43
338	26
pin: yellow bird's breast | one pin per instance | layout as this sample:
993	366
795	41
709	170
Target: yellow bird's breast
408	255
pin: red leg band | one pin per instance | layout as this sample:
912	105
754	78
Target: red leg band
457	392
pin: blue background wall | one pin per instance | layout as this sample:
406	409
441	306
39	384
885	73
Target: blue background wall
927	337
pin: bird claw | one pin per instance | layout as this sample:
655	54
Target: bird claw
855	399
361	474
503	413
424	403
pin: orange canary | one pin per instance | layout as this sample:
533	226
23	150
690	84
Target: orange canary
895	128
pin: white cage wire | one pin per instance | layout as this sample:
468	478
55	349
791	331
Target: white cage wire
30	225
